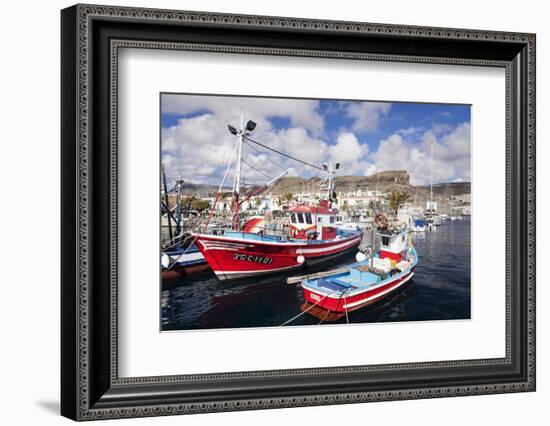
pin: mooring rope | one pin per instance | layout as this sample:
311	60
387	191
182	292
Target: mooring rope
345	307
342	294
303	312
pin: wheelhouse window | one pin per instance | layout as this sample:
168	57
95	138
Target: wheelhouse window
300	217
308	218
332	219
385	241
293	218
319	219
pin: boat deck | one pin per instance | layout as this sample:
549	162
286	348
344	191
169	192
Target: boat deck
359	277
351	280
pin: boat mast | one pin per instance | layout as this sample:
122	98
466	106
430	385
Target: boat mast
237	181
166	201
243	132
329	181
329	189
451	201
179	185
377	181
431	175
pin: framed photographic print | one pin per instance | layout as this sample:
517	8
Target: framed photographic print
265	212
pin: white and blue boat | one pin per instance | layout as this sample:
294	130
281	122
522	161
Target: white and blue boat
364	282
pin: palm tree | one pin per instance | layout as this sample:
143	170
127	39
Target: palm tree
396	199
288	197
200	205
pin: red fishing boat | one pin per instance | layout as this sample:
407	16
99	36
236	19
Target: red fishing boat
250	250
312	239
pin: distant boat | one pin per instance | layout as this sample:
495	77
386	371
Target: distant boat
419	225
179	262
432	218
179	256
364	282
431	215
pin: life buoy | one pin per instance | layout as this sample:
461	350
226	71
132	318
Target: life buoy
381	221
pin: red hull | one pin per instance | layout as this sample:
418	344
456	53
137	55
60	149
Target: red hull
354	301
239	257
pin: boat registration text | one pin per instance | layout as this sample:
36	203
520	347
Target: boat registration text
252	258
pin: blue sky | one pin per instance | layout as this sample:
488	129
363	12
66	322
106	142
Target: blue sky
364	137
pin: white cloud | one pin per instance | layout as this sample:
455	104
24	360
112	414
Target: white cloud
349	153
294	141
451	155
392	153
366	115
347	148
439	129
199	148
301	112
410	131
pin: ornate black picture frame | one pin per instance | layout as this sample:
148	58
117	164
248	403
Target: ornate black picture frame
91	36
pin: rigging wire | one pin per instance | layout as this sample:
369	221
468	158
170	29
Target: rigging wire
266	157
211	210
284	154
256	170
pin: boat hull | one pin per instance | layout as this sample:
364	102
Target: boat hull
181	271
183	262
232	258
339	303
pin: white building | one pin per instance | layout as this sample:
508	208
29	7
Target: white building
359	199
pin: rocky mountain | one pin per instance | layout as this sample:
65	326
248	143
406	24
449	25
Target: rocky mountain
199	190
386	181
396	179
449	188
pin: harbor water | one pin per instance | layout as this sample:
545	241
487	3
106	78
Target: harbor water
439	290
